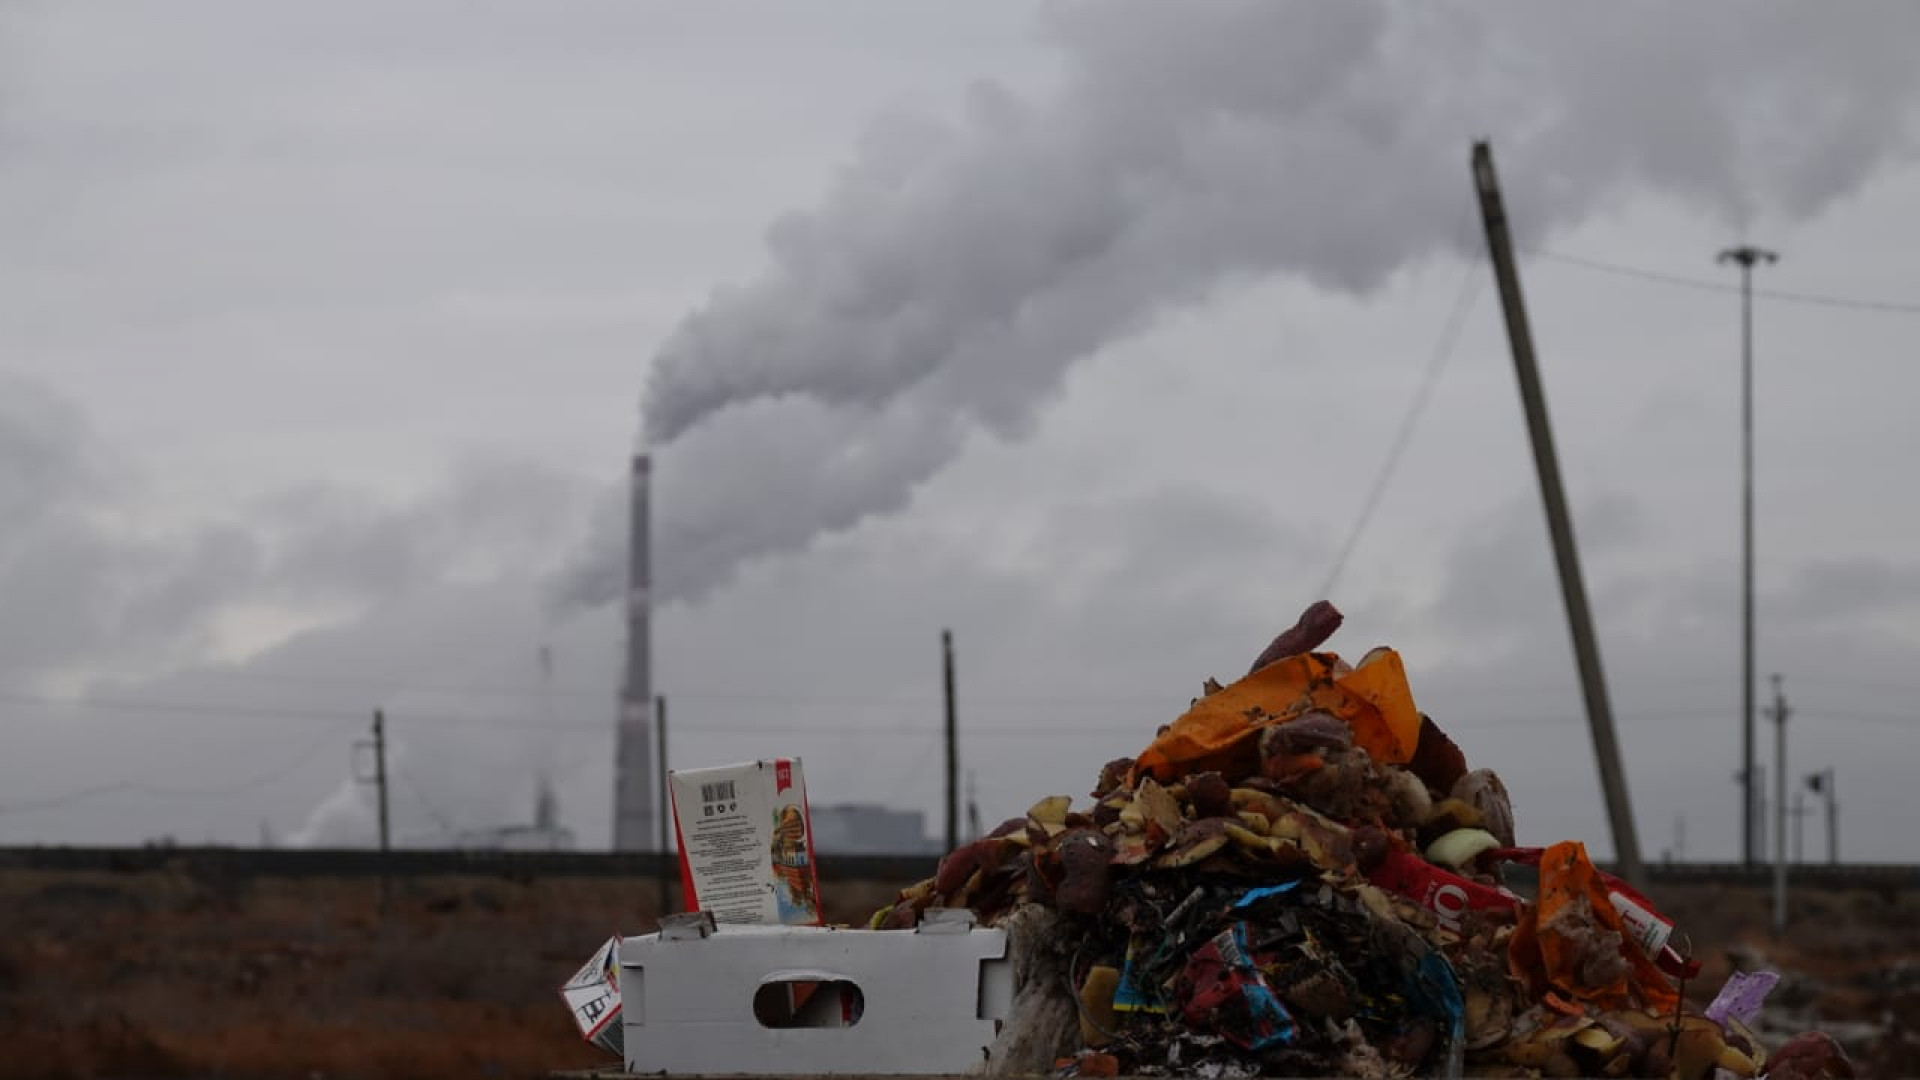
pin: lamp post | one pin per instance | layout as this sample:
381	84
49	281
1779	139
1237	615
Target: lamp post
1821	783
1746	256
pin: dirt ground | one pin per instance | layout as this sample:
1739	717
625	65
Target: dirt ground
1851	960
165	974
169	973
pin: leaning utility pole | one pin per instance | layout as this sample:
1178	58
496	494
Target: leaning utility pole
1573	590
1780	713
953	745
1747	255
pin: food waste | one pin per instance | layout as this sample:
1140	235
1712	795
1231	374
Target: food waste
1302	876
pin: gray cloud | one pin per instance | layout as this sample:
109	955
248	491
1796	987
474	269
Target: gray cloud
960	267
487	516
107	625
1847	589
414	236
76	582
1491	660
212	750
85	585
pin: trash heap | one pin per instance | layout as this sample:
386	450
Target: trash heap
1301	876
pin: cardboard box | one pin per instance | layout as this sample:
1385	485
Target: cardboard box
899	1002
593	997
746	843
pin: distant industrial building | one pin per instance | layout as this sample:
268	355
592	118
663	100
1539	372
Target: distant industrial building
545	834
870	829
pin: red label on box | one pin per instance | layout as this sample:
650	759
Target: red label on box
782	776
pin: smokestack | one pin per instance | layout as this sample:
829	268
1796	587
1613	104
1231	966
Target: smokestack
633	812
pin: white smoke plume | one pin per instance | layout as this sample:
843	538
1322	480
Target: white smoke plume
960	267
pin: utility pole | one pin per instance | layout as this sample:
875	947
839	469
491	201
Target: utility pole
1746	256
379	780
953	744
380	774
1573	590
973	807
1800	813
1780	713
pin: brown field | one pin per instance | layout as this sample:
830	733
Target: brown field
174	971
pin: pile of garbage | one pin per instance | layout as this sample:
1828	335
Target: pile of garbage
1302	876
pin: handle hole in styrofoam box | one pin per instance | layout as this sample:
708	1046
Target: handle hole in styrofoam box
808	1004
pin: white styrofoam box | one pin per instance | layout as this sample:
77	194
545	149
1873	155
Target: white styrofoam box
930	1000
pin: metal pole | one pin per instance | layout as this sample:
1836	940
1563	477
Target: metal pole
380	784
380	771
1586	649
665	813
1833	821
1779	808
973	807
1746	256
953	744
1799	826
1746	508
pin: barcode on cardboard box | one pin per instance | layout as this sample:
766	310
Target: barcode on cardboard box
721	791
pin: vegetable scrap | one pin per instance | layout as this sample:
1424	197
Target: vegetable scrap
1301	876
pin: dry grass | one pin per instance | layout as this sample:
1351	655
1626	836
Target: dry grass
171	974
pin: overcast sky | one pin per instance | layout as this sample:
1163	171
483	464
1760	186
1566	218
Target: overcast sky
1083	329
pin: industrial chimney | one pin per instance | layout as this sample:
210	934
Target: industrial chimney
633	806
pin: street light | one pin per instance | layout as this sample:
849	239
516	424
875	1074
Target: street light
1821	783
1746	256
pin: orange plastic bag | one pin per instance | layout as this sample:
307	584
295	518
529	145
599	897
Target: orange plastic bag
1556	946
1222	730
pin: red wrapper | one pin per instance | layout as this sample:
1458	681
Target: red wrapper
1446	894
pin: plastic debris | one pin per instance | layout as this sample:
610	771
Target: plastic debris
1741	998
1223	990
1302	875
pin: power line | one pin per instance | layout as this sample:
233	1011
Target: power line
1465	721
209	710
1707	285
387	687
911	776
788	701
1907	719
420	796
262	780
1449	336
